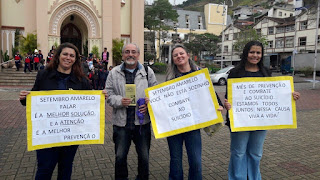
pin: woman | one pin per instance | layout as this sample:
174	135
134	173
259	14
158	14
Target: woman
181	66
247	146
62	73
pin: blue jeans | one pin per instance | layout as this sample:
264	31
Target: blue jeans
48	158
192	141
122	137
246	152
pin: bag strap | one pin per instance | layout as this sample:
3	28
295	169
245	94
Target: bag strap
146	69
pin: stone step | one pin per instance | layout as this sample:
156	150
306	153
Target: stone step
17	80
11	77
16	84
30	76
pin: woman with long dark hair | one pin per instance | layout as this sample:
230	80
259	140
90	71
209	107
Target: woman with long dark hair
247	146
64	72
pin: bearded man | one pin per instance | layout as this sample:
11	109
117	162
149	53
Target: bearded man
126	125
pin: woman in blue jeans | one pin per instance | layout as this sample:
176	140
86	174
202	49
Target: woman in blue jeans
247	146
181	66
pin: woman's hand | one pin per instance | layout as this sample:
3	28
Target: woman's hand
220	108
296	95
105	93
23	95
227	104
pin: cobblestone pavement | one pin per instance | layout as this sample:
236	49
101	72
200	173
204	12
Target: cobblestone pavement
288	154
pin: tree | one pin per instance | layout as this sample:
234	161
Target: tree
28	43
247	35
95	50
202	42
156	15
117	45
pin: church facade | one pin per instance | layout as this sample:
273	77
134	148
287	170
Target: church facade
85	23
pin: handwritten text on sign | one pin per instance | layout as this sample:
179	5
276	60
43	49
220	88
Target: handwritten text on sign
261	103
60	118
182	103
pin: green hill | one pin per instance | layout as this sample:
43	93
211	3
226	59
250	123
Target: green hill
198	5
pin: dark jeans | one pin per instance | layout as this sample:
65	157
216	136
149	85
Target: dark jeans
17	65
192	140
48	158
36	66
27	66
122	138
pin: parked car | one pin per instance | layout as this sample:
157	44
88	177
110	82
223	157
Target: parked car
221	76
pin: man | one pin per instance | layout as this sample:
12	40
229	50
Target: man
17	60
126	125
36	59
105	58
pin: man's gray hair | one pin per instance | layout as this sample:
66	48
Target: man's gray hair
124	47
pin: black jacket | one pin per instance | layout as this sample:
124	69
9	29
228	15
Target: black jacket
239	73
47	80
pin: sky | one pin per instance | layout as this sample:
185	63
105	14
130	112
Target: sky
171	1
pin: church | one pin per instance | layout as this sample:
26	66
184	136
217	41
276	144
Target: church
85	23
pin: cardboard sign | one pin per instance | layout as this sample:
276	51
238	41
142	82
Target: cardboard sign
183	104
65	117
261	103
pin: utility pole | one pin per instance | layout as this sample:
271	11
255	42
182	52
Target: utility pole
316	48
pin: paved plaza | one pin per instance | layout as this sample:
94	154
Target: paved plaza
288	154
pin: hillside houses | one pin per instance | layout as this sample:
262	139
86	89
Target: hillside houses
280	34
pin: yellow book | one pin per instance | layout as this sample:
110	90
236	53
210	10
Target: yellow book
131	93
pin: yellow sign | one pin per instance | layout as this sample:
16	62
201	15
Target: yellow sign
261	103
183	104
65	117
130	90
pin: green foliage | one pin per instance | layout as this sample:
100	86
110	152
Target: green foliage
117	45
307	71
4	56
95	50
159	10
212	67
55	44
202	42
159	67
247	35
148	56
28	44
85	48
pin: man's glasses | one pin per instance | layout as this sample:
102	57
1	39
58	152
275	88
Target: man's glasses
132	52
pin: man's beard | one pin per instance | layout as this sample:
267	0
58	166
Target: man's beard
130	62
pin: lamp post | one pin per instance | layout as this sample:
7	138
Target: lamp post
160	31
223	22
316	48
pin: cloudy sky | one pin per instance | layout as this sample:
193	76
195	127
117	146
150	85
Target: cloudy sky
171	1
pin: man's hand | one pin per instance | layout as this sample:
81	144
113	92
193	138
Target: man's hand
125	102
143	108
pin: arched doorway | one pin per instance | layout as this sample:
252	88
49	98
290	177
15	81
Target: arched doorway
71	33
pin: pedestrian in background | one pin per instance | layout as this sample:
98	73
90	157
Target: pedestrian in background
27	61
17	60
62	74
183	65
105	58
246	147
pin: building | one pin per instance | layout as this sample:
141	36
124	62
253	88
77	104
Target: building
212	20
284	36
97	22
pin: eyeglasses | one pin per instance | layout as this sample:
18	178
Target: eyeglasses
132	52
